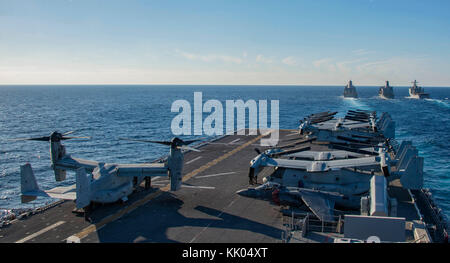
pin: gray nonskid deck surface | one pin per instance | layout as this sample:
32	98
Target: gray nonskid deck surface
212	213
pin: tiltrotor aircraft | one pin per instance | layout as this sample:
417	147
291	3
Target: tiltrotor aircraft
357	125
101	182
330	175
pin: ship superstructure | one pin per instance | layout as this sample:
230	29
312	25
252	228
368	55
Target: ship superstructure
350	91
417	92
386	92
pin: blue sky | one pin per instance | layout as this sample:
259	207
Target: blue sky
224	42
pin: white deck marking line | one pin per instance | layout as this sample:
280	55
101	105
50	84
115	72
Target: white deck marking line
196	186
40	232
162	181
155	178
238	139
221	212
188	186
193	160
292	134
212	175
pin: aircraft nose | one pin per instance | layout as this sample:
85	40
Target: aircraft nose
247	192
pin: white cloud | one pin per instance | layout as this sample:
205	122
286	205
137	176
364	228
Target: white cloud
348	65
361	52
210	57
289	61
400	70
325	64
261	59
320	62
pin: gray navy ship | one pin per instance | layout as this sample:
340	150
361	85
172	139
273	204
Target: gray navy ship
350	91
336	180
417	92
386	92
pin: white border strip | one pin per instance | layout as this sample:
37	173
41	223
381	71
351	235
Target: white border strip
193	160
212	175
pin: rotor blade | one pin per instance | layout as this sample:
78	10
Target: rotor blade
67	133
44	139
353	140
350	149
186	142
319	114
322	115
136	140
184	147
307	140
316	121
296	150
75	137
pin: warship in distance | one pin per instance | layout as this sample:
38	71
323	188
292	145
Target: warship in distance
386	92
417	92
350	91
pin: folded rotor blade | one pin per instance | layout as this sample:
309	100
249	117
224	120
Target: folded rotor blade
184	147
67	133
186	142
150	141
75	137
45	139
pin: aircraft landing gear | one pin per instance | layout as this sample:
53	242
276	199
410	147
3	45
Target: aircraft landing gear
148	182
87	212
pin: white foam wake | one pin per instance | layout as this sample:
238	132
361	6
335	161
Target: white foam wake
444	103
356	104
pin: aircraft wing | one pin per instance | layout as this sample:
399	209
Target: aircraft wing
316	166
332	154
74	163
285	163
321	206
145	169
63	192
356	126
326	126
356	162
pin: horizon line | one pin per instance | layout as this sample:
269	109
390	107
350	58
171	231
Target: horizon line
166	84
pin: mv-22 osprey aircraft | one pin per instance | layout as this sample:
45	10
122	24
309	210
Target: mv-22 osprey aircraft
337	165
98	182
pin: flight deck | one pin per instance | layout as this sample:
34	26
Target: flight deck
206	209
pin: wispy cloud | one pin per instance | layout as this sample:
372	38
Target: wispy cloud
374	70
362	52
289	61
349	65
325	64
210	57
261	59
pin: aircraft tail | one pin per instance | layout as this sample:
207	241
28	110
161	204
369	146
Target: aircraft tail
409	166
28	184
412	177
83	188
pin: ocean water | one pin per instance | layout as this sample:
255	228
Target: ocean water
109	112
